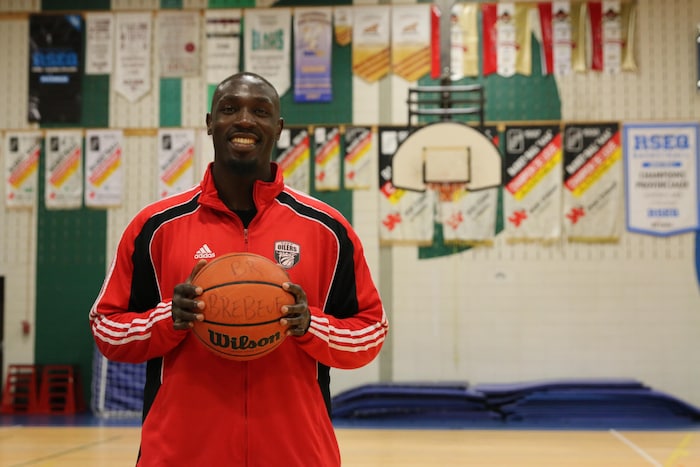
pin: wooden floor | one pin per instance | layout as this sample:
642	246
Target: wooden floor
117	446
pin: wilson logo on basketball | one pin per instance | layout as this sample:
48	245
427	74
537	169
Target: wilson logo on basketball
241	342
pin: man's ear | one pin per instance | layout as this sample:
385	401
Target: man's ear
208	120
279	129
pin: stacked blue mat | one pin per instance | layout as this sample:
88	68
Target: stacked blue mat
573	403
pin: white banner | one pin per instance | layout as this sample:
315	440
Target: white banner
223	37
470	219
562	38
178	43
661	177
99	43
103	168
64	169
175	161
22	151
327	158
358	155
294	157
132	75
267	42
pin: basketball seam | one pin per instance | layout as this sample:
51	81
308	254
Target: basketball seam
224	284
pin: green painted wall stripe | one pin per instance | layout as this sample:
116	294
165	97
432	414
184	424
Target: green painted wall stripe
170	102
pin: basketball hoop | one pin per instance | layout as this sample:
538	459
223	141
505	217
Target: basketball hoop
446	190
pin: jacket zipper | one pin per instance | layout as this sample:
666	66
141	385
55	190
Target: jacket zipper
245	238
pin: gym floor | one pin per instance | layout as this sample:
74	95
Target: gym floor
84	441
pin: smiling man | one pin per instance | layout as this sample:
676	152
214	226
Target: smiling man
201	409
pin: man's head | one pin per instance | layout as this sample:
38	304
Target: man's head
245	124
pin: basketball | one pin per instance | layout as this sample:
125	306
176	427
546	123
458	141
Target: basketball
243	296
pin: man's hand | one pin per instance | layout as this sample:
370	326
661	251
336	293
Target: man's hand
185	307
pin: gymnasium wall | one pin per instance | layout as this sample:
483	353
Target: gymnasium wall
510	312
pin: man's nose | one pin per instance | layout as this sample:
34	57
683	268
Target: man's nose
245	117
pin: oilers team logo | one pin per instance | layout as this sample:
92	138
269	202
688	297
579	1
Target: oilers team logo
287	254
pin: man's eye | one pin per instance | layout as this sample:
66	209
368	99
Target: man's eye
228	109
262	112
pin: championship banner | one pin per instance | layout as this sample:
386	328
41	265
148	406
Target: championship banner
410	41
132	59
556	37
55	61
178	43
327	158
606	35
222	29
175	161
406	217
294	158
22	151
465	41
507	44
312	55
371	35
532	185
99	43
469	219
103	168
593	184
267	42
63	174
342	24
358	152
661	177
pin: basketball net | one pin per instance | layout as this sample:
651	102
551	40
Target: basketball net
446	190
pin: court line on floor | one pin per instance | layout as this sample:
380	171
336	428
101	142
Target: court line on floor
59	454
635	448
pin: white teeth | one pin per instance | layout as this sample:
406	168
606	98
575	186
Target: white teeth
243	140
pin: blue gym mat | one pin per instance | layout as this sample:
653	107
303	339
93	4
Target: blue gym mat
568	403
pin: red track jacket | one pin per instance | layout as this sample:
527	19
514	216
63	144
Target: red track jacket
204	410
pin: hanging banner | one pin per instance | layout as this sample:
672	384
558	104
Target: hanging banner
628	14
99	43
579	33
406	217
593	184
371	36
469	219
312	55
175	161
465	41
327	158
294	158
532	185
661	177
358	153
103	168
267	42
222	44
55	62
507	45
556	37
606	36
178	43
342	24
22	151
63	174
410	41
132	59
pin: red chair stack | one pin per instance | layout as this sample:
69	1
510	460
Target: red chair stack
20	392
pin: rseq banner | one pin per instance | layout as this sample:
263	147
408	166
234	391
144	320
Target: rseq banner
661	175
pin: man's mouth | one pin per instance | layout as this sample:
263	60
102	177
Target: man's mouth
243	140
